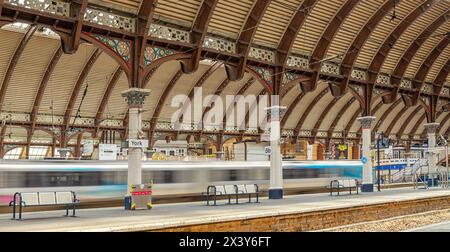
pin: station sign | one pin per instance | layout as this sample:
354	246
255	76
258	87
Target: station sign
268	151
135	143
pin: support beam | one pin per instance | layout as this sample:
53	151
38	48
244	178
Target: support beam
244	42
1	8
291	108
402	66
217	92
276	170
339	116
366	126
308	111
107	94
42	86
2	141
78	146
135	98
419	79
385	114
241	91
324	42
161	102
70	43
407	122
388	44
323	115
144	21
353	52
287	41
198	31
395	121
13	63
75	92
253	107
198	84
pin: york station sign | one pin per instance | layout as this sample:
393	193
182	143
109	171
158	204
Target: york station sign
134	143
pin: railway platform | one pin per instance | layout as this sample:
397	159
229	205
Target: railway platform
294	213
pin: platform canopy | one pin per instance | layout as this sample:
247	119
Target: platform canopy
64	64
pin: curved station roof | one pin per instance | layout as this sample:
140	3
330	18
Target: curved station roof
64	64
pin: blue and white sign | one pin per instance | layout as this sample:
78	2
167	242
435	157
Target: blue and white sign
364	160
268	151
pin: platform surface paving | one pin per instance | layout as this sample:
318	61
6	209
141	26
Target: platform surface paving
170	215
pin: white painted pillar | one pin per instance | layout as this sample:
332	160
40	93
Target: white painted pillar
366	124
432	156
135	98
275	113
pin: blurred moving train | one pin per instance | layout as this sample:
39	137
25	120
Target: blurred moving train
94	180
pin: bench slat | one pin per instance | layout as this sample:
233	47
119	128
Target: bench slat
64	198
230	189
251	188
30	199
47	198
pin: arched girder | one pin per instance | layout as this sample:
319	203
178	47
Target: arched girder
42	86
161	102
385	48
198	31
339	115
217	93
386	113
291	108
105	98
357	113
241	91
400	69
440	79
416	126
71	43
198	84
419	79
14	60
244	42
253	107
287	41
308	111
1	8
354	50
76	90
323	115
408	121
325	40
395	121
443	124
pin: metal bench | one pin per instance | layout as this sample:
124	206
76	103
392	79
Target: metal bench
344	184
67	199
249	189
213	191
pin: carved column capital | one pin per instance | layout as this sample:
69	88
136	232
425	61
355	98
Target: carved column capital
275	113
366	122
135	97
432	127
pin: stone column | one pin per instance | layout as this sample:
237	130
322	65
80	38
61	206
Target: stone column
274	114
366	124
135	98
432	156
